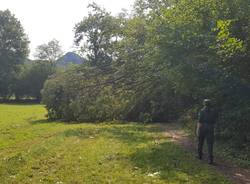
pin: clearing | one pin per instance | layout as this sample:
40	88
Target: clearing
33	150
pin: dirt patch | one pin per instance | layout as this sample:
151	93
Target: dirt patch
236	174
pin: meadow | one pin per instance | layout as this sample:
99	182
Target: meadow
35	150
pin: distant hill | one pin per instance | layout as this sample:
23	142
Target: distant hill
69	59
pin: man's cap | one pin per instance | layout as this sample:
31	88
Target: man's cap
206	102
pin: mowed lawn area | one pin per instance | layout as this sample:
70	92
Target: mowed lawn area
33	150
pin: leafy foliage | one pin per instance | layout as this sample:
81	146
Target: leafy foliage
96	34
168	57
13	50
31	78
50	52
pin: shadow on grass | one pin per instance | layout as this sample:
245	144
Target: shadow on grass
40	121
174	165
127	133
133	134
48	121
130	133
82	133
170	162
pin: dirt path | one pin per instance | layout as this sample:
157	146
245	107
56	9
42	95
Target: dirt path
236	174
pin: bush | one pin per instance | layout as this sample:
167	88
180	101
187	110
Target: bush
84	93
73	96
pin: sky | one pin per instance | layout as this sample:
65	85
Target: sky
44	20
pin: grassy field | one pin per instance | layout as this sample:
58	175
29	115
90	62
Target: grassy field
33	150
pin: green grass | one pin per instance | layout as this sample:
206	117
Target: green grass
33	150
236	156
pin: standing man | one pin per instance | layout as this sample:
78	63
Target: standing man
205	129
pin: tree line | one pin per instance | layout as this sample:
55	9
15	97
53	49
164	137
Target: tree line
20	77
157	64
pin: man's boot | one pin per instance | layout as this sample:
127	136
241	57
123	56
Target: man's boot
211	160
199	156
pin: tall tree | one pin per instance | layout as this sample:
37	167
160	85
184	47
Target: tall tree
96	34
13	50
50	51
31	78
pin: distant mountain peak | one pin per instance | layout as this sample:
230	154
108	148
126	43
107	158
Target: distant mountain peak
70	58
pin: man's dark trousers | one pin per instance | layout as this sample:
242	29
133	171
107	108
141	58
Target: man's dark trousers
206	131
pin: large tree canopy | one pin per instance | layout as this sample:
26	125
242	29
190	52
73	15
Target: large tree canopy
96	34
50	51
13	49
